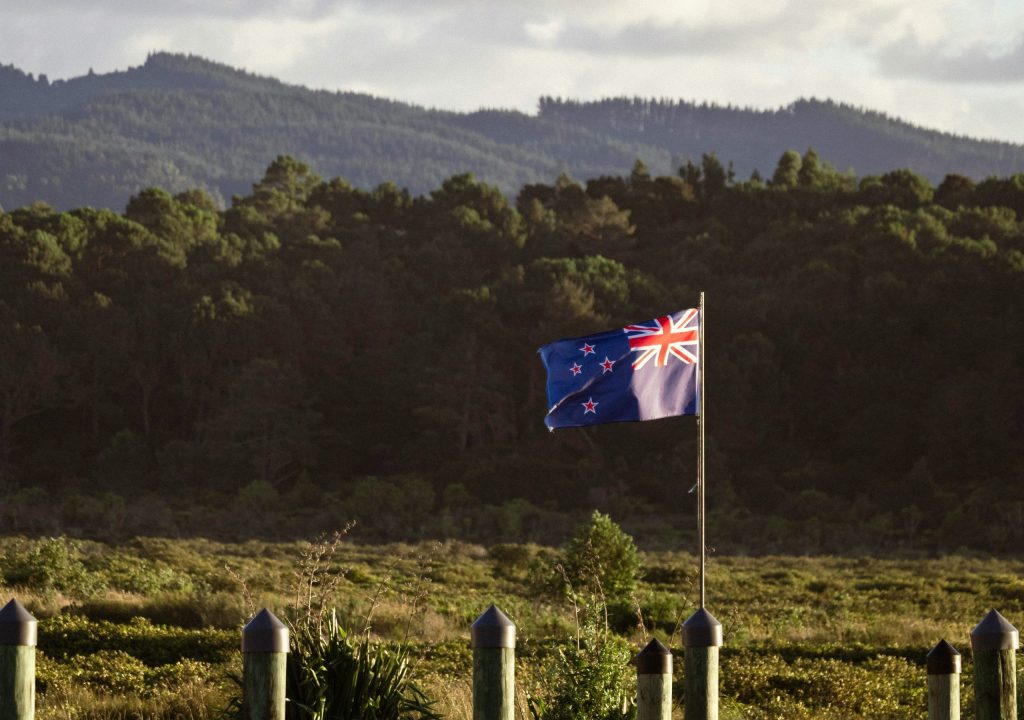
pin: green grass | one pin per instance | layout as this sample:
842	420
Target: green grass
155	634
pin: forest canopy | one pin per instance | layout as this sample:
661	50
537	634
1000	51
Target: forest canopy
317	352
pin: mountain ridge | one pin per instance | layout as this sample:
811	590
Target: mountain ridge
182	121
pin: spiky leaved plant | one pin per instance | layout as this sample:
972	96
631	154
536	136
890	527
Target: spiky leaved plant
333	677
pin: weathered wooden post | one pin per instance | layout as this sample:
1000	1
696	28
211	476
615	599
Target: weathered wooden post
17	663
994	643
264	667
943	682
654	682
702	636
493	638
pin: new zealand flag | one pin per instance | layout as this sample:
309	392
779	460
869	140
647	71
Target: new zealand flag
644	371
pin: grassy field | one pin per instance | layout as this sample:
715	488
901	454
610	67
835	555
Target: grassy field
151	628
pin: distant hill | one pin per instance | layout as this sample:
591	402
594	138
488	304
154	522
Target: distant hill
181	121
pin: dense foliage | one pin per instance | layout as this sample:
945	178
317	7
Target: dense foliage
317	353
179	122
601	560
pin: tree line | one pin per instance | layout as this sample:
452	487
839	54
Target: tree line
316	353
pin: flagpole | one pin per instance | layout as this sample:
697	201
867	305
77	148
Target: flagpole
700	447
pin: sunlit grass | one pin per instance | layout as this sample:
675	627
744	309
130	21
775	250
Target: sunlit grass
790	623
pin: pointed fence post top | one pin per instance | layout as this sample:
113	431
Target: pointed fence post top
493	629
702	630
994	632
265	634
17	626
654	659
944	659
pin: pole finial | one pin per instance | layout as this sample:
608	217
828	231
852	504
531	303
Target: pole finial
265	634
493	629
17	626
944	659
702	630
994	632
654	659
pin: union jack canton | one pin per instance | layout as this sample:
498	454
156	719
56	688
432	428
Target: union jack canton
643	371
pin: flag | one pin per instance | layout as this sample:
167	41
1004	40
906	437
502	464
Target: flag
643	371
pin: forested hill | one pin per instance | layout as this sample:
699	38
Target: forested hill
317	353
180	122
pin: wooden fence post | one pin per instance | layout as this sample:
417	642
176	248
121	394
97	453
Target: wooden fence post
493	638
943	682
264	667
702	636
994	643
654	682
17	663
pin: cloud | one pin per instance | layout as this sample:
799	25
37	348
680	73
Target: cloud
114	10
976	64
783	28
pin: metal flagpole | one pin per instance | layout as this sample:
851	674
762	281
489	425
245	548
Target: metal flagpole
700	446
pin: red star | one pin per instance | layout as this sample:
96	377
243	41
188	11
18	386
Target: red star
606	366
576	368
587	349
590	406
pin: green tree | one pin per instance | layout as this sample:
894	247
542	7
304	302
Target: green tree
601	558
787	171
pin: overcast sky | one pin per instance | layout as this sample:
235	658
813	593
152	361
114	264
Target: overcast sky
955	65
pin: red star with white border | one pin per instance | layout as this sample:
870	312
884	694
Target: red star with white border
576	368
587	349
590	406
606	366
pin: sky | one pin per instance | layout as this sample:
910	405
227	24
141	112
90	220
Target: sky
953	65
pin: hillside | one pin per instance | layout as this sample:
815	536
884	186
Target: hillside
179	122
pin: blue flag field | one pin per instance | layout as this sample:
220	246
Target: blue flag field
643	371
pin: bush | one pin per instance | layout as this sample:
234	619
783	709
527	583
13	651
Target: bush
602	559
47	565
590	678
112	684
142	577
875	687
65	636
109	670
332	676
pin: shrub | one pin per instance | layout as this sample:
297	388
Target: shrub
140	576
602	558
109	670
876	687
332	676
65	636
114	685
47	565
173	677
590	678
